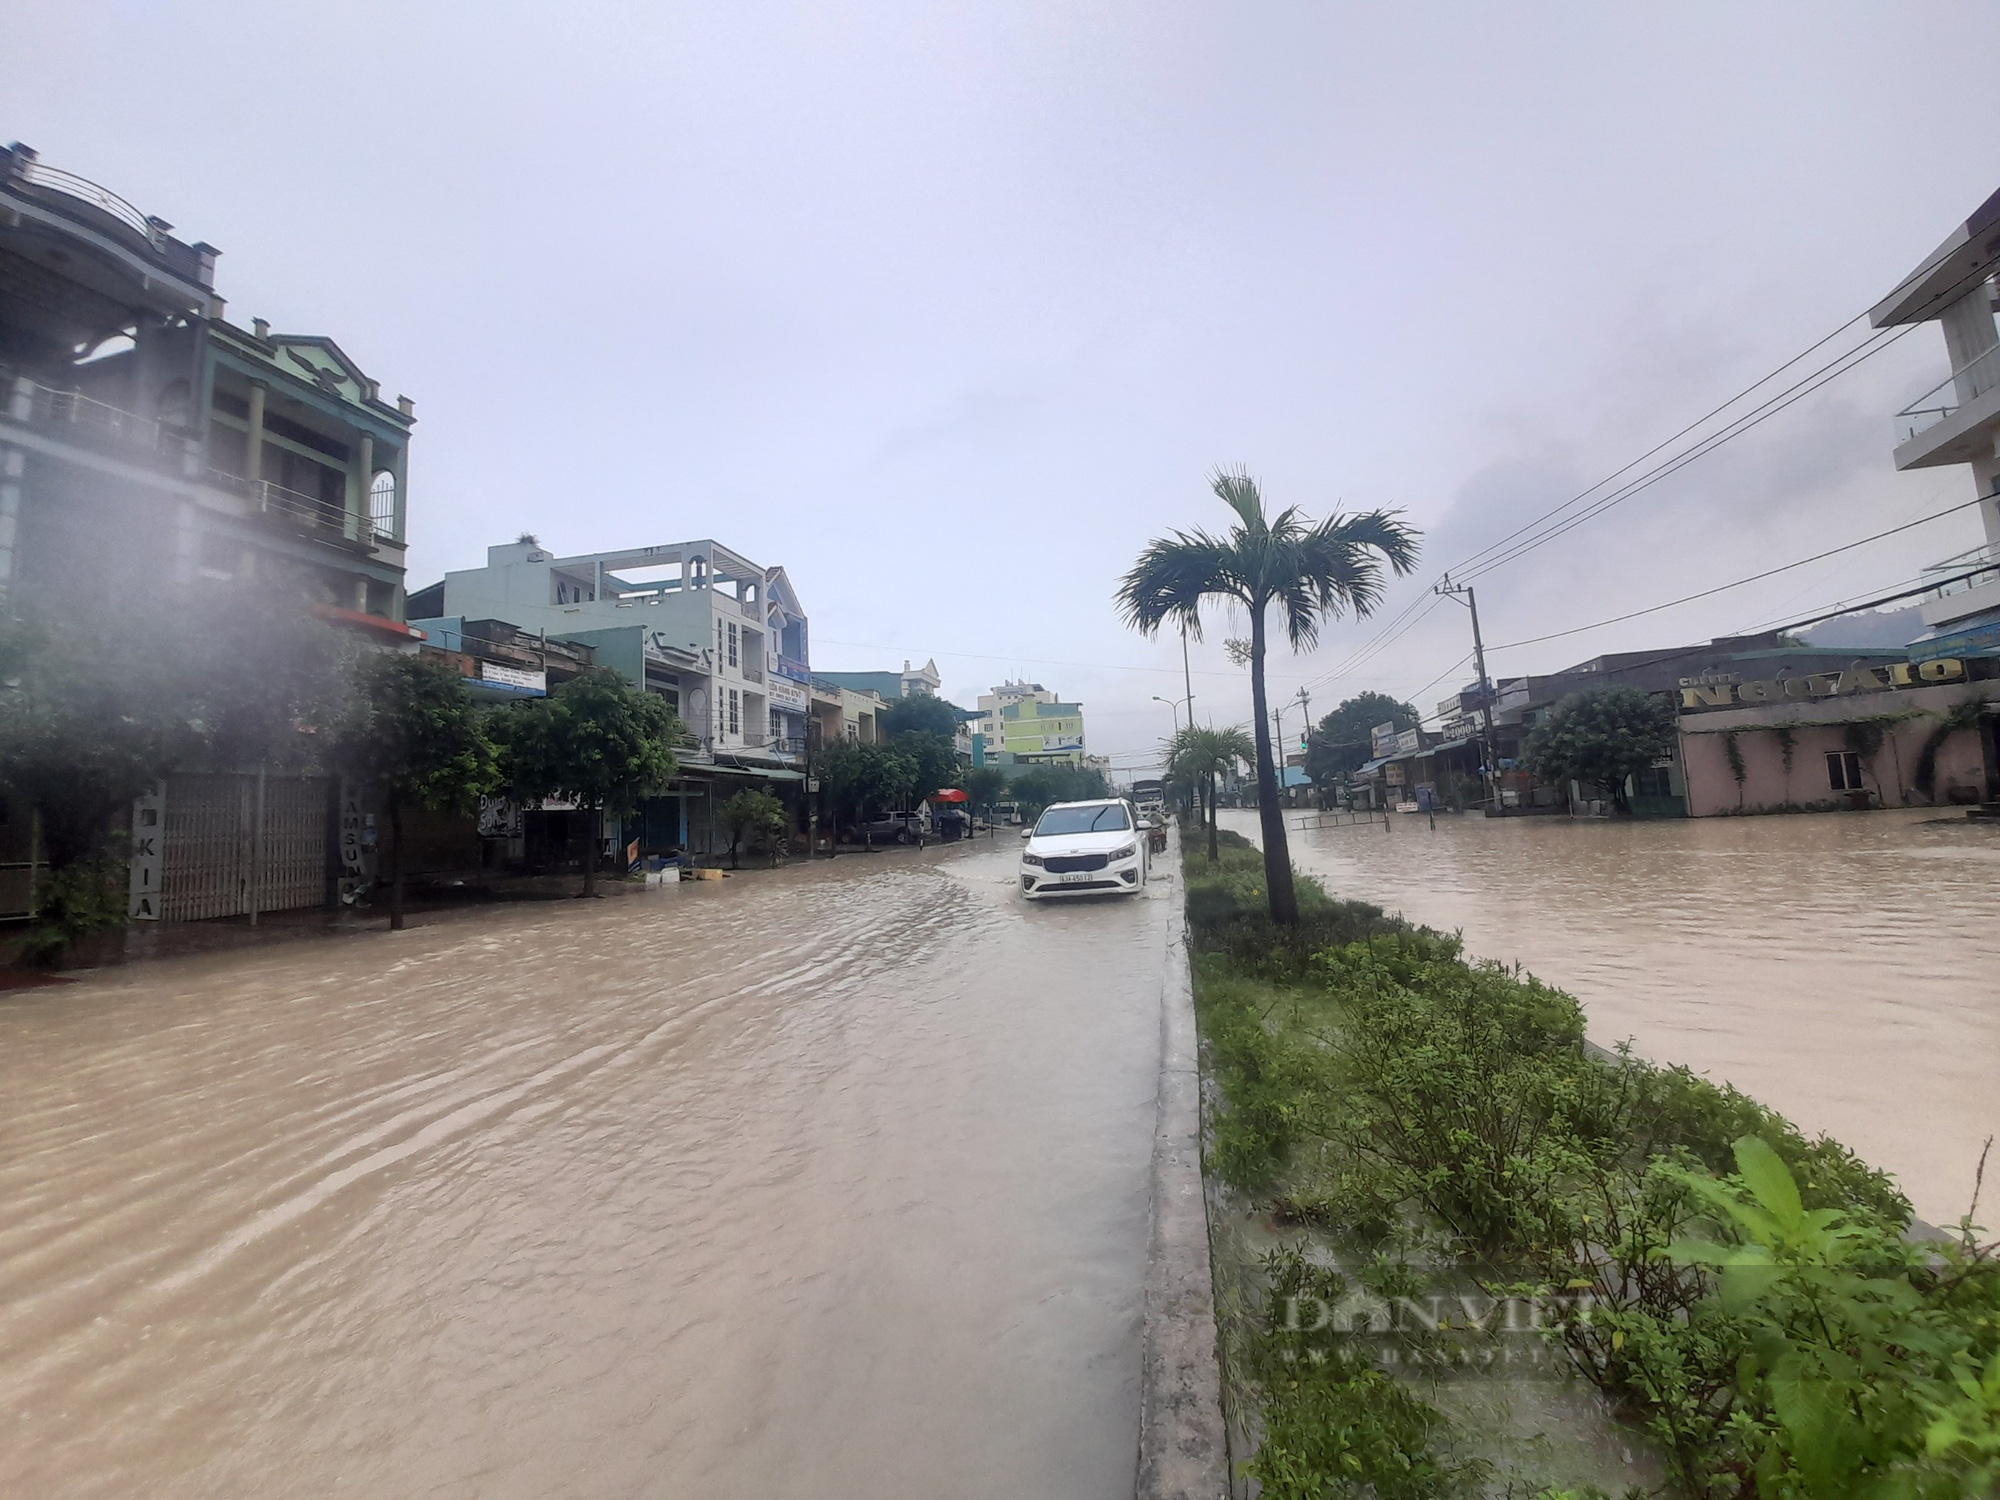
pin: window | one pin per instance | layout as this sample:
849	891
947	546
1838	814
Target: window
732	643
735	712
1843	770
777	725
1098	817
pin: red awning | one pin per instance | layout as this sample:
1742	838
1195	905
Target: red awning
949	794
361	621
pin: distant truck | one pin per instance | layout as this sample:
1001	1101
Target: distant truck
1149	796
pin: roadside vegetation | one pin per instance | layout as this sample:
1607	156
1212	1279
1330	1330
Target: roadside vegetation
1421	1131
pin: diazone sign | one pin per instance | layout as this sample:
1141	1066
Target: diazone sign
1698	696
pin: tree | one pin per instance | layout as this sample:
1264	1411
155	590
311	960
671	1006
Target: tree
596	740
414	734
920	713
1601	737
1311	572
750	814
855	777
1061	782
933	759
1198	754
1342	741
984	786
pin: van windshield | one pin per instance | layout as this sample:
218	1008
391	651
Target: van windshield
1107	818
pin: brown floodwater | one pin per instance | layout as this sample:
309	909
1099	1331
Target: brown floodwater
827	1182
1844	969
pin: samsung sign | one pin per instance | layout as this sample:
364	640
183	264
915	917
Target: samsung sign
1699	696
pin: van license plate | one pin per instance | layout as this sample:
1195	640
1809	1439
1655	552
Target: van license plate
1074	877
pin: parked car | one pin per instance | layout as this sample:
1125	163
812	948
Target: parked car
1084	848
892	828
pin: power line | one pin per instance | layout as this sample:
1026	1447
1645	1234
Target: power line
1723	588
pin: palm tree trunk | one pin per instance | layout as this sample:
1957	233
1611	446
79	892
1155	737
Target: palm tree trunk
1214	853
1270	816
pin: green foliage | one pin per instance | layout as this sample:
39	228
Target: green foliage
920	713
413	733
1788	745
1871	1366
984	786
933	762
1378	1084
1308	572
1342	740
857	777
1335	1424
1037	789
752	816
595	740
79	900
1600	737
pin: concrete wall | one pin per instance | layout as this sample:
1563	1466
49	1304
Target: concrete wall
1820	728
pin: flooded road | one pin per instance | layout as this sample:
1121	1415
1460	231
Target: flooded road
829	1181
1843	969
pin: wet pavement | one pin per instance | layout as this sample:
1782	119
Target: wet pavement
828	1181
1842	968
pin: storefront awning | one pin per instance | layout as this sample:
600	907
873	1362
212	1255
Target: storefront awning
766	773
1371	767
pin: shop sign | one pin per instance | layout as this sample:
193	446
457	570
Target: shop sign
1979	640
1382	740
148	829
1395	772
518	678
1701	695
785	695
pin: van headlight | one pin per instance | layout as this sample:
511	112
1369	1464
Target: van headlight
1031	859
1126	853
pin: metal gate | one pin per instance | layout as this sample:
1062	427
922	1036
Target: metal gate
210	853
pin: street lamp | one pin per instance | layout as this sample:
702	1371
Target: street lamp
1174	704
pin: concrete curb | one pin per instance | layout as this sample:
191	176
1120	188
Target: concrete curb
1183	1444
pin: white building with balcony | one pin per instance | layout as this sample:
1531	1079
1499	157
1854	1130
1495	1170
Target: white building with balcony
1958	420
722	638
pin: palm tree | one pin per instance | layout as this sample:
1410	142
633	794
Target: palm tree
1312	572
1198	754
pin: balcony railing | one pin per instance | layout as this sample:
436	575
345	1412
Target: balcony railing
752	674
1954	568
296	508
1974	378
89	423
100	198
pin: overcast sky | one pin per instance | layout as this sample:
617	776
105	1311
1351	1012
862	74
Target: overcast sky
950	308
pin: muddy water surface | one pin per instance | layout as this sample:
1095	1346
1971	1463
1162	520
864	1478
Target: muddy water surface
1845	969
825	1182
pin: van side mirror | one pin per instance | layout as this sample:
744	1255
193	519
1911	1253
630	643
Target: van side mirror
1027	833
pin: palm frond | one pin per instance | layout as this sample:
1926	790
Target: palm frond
1171	578
1237	490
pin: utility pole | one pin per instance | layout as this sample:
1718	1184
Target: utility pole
1488	770
1187	676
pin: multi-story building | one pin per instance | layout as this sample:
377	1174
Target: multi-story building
146	442
911	682
722	639
150	447
1958	421
1025	723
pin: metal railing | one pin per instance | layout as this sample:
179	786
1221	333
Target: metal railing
1963	563
1974	378
752	674
86	421
97	196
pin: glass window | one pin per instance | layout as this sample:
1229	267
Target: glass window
735	712
1843	770
732	643
1092	817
